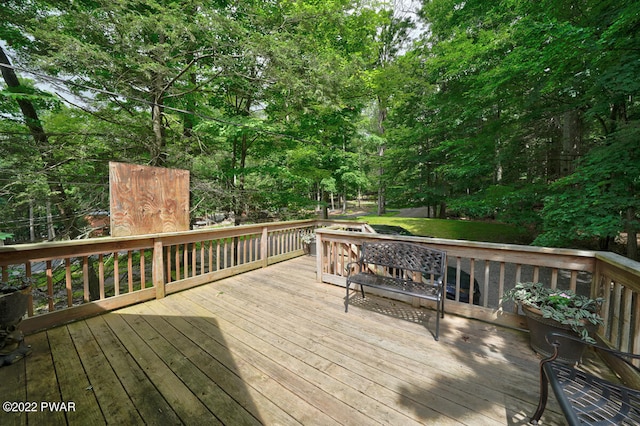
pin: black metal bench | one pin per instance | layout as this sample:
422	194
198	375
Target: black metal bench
583	397
406	268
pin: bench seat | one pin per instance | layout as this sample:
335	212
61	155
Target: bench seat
406	268
398	285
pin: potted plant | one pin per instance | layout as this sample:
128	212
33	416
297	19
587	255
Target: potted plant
309	242
14	299
548	309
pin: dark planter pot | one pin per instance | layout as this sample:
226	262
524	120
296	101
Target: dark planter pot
569	351
13	306
310	248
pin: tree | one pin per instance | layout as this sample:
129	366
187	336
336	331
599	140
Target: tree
600	199
392	37
42	151
524	91
137	56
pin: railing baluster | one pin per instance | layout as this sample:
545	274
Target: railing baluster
202	264
472	285
226	253
194	260
615	326
50	286
130	270
27	269
625	337
68	282
143	277
458	269
185	260
210	255
574	281
168	266
85	279
605	283
485	292
116	274
101	275
635	340
554	278
217	255
157	269
177	262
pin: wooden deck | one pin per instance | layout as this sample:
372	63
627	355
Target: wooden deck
275	347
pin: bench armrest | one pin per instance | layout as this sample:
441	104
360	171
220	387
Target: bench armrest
351	267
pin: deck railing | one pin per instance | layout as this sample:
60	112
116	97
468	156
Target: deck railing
76	279
495	268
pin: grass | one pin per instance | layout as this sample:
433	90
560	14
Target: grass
493	232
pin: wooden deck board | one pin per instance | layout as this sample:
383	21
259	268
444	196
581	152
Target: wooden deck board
137	386
72	378
378	349
273	346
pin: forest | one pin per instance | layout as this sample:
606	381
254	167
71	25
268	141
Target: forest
516	111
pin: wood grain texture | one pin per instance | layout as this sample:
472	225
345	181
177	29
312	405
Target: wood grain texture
147	200
273	346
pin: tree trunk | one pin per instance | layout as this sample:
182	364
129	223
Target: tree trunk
381	192
51	232
325	205
382	116
158	154
344	201
571	141
443	210
32	223
32	121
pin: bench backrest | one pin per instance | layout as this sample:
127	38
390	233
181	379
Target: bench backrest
407	256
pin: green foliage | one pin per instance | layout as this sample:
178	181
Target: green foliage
563	306
515	110
453	229
515	205
591	202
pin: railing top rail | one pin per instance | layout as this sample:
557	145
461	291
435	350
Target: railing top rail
12	254
628	265
467	243
73	248
541	256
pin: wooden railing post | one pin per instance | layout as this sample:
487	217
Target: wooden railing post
157	269
264	247
319	257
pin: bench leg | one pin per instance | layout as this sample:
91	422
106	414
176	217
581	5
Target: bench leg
437	323
544	393
346	299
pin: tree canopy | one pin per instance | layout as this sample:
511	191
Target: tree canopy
520	111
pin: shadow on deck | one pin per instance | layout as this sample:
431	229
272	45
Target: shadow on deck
273	346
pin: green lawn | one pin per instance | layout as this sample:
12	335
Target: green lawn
454	229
